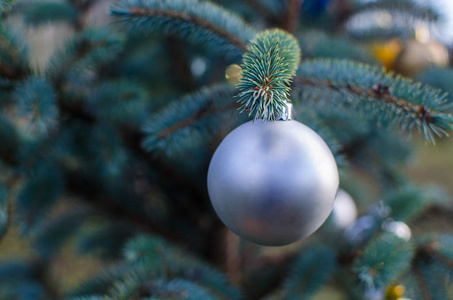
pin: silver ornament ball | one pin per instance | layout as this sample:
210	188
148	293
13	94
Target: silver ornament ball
273	182
400	229
344	211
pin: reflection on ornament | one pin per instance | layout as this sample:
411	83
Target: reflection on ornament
344	211
400	229
394	292
233	73
273	182
418	56
387	52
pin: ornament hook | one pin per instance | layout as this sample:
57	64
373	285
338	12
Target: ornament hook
287	112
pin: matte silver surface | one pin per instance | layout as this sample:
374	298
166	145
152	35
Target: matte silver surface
273	183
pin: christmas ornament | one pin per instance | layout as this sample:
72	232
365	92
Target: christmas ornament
233	73
344	211
273	182
394	292
387	52
400	229
418	56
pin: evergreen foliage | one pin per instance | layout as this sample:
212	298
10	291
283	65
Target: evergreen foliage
383	260
312	269
105	150
4	210
36	101
197	21
184	124
5	5
372	90
404	7
38	13
269	65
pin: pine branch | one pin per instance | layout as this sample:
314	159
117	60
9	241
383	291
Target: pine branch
55	232
423	285
315	43
198	21
293	12
440	250
430	270
263	9
406	203
5	211
87	50
377	33
37	103
11	142
92	297
383	260
188	121
269	65
311	270
110	207
38	195
13	62
37	13
369	89
165	260
5	5
439	78
405	7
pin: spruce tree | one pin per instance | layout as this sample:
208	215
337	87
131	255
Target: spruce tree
105	147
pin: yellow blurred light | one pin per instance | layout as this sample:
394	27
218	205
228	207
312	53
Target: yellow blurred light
395	292
387	52
399	290
233	73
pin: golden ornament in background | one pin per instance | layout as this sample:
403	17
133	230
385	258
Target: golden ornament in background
421	53
387	52
418	56
394	292
233	73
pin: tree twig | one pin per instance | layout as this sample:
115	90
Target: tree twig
292	16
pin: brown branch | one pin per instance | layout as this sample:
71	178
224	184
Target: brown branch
13	74
422	283
105	205
423	113
432	250
263	10
443	259
187	18
292	16
193	118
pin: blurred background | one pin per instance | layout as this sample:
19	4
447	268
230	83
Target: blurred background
418	44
